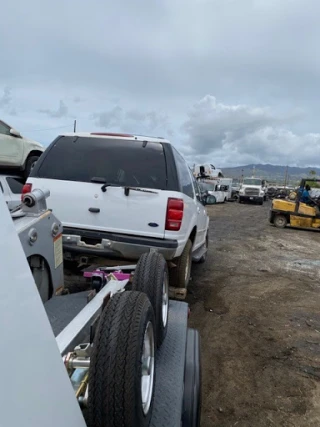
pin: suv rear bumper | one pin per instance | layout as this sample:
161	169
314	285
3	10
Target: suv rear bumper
112	245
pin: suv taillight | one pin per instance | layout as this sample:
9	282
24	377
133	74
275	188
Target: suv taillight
27	188
174	214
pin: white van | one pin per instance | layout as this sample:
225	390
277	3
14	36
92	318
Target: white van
215	189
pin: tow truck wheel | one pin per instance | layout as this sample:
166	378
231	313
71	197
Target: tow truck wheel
191	413
280	221
122	365
151	277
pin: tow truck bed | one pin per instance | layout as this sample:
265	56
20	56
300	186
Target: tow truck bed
170	357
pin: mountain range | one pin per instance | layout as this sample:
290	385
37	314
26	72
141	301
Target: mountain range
272	172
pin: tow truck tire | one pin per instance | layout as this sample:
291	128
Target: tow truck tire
191	414
180	275
122	362
151	277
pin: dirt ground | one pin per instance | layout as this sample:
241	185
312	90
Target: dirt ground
256	303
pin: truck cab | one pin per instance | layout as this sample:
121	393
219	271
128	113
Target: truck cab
252	190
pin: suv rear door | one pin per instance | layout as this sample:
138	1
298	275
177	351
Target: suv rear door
106	184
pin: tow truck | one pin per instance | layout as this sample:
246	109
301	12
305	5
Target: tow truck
118	354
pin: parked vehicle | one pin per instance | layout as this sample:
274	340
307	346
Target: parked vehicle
227	185
16	151
217	192
117	195
207	170
11	188
252	190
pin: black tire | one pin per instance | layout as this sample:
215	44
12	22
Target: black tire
151	276
180	275
280	221
239	200
29	165
115	397
191	415
261	202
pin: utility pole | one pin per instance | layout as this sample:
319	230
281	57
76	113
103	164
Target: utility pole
75	126
286	177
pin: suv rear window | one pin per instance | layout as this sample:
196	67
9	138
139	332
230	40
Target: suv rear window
120	162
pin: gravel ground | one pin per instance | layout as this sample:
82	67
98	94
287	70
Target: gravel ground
256	304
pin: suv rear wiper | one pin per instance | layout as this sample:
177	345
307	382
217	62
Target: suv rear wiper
101	180
127	190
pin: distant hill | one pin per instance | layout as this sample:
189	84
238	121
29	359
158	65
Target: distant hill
271	172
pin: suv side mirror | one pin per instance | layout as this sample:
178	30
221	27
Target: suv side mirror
15	133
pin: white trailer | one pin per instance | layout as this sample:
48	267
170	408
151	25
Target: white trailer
143	361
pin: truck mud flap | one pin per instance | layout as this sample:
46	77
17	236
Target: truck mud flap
177	293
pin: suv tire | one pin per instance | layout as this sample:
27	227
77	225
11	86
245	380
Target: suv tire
29	165
180	275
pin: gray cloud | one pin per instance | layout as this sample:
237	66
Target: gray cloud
164	56
133	120
109	119
78	99
6	97
62	111
239	134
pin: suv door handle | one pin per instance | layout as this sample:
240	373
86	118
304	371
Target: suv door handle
94	210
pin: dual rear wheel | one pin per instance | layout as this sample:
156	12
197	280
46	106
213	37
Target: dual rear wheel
122	368
122	373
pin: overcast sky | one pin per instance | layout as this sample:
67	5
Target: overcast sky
227	81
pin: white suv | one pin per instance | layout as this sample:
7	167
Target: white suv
119	195
17	152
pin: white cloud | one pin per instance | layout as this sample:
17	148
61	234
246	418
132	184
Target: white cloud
241	134
62	111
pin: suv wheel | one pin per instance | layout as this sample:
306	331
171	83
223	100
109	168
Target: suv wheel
31	161
180	275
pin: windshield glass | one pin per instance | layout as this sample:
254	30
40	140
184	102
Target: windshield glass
120	162
206	187
252	181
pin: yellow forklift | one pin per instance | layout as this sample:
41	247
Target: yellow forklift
295	213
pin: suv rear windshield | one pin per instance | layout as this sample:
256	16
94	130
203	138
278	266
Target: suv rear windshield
120	162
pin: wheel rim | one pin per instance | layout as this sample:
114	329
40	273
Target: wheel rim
147	368
165	300
187	270
280	221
